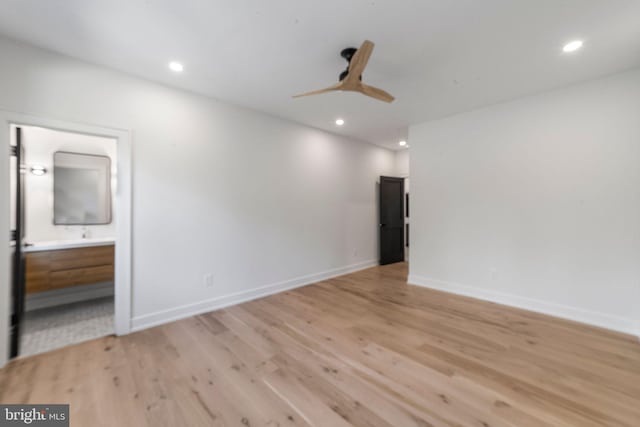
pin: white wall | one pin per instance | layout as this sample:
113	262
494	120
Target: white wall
402	163
252	199
535	202
40	144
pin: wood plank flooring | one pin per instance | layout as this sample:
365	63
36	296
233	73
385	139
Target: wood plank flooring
360	350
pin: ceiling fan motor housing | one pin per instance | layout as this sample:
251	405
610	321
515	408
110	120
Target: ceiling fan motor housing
347	54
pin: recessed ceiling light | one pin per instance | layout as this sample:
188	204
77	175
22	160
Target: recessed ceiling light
402	143
572	46
339	122
176	66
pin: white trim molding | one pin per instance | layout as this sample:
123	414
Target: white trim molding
172	314
122	216
603	320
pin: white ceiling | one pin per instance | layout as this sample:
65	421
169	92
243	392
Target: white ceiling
438	57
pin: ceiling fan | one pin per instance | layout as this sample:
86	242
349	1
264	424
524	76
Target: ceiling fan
351	78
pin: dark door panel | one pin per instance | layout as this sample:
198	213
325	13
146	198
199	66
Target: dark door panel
17	237
391	200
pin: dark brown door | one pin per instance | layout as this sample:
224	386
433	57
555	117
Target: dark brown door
391	198
17	240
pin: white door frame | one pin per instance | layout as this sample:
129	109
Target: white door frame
122	214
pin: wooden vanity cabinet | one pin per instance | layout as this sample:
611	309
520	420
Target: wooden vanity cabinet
63	268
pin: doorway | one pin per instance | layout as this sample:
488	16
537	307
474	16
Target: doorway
48	285
63	237
392	220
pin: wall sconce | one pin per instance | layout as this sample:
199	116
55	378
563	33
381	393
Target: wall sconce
38	170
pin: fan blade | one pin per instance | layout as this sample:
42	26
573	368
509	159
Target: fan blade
359	61
319	91
376	93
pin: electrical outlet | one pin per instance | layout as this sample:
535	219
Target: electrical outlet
208	280
355	252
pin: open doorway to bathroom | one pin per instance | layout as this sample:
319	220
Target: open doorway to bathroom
63	238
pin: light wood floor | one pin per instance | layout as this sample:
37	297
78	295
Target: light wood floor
363	350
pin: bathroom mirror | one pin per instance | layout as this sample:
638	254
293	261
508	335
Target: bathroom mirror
81	189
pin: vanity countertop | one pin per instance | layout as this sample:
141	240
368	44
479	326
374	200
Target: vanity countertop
68	244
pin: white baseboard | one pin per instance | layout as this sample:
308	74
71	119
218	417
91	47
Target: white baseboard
158	318
607	321
68	295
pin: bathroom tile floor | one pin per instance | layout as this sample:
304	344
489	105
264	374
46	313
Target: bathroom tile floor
54	327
